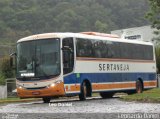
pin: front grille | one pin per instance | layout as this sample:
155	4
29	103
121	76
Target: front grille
36	88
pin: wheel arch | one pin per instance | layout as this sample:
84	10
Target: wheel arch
89	87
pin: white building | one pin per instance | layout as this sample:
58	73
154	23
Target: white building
145	33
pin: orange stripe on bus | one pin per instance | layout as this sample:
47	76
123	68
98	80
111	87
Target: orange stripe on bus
152	83
121	85
73	88
110	59
112	86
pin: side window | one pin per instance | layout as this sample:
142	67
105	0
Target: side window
84	47
68	55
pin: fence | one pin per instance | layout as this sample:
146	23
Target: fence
11	86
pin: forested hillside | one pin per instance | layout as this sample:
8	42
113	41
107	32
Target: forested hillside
20	18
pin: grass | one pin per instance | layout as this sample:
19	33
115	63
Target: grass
16	99
152	96
95	94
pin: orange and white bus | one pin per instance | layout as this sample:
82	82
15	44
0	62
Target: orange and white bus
69	64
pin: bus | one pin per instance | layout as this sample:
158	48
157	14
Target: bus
51	65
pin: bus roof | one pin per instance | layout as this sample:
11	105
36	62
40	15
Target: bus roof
88	35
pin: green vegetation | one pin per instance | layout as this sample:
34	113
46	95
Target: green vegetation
2	79
157	50
154	14
154	17
152	96
11	100
19	18
5	70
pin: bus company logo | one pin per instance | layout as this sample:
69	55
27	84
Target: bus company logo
114	67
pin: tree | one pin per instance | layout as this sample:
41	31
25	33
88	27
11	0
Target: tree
5	70
101	27
154	16
157	50
19	18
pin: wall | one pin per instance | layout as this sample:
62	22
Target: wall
144	33
3	92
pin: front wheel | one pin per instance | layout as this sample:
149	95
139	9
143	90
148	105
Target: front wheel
83	94
139	86
46	100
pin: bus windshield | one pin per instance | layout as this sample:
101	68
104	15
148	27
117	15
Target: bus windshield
38	58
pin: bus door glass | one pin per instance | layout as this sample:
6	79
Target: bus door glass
68	55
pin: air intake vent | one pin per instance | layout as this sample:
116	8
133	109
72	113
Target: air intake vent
36	88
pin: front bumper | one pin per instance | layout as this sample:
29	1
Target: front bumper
57	90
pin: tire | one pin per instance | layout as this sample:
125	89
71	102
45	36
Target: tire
139	86
46	100
106	95
83	94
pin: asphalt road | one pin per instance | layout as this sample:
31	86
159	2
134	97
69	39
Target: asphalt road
73	108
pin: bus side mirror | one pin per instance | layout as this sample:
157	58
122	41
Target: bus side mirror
13	60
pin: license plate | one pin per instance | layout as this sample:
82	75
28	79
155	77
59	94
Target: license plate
36	93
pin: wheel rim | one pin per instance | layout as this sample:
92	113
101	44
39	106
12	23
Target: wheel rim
84	90
139	88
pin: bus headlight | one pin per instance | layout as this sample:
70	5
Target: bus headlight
51	85
19	86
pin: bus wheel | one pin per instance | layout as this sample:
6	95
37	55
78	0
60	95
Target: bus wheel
46	100
83	94
106	94
139	86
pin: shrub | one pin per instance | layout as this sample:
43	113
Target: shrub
5	70
2	79
158	58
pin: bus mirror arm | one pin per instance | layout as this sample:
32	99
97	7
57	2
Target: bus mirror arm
67	48
13	54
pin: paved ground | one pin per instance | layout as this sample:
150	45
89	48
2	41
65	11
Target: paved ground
73	108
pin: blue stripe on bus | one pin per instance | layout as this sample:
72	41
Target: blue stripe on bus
108	77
